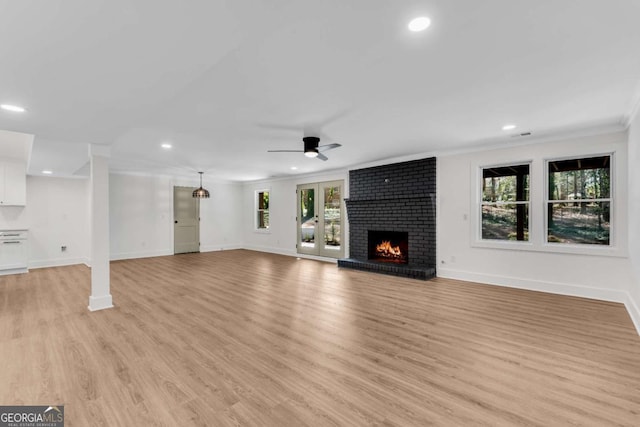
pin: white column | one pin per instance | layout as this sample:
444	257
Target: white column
99	209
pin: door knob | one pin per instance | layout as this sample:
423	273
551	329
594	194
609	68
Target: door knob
175	222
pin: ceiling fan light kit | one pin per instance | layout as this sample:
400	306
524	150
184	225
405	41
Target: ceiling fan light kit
311	148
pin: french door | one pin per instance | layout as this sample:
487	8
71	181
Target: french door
320	219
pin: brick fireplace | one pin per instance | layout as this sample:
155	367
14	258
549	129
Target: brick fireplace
392	220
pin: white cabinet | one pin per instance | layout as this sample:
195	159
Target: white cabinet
13	251
13	184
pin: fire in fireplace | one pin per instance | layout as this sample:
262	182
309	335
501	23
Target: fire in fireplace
389	246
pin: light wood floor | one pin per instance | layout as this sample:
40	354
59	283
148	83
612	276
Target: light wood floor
245	338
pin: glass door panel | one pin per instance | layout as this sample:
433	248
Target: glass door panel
307	219
320	219
332	216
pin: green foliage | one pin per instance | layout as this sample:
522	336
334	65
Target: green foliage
503	189
580	184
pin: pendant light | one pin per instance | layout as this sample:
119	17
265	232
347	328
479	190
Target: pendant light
201	193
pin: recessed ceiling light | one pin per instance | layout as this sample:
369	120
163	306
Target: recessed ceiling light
419	24
508	127
166	146
47	172
13	108
293	168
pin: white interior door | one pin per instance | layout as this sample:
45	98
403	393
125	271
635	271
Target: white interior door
320	219
186	218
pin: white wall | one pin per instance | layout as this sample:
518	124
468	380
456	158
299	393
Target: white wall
634	214
221	218
281	236
593	276
142	215
56	215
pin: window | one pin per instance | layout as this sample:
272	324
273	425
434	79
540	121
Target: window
505	203
579	201
262	204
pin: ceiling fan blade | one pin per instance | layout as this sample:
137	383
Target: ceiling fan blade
328	147
322	157
285	151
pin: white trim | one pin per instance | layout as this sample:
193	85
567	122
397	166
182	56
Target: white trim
299	177
100	303
56	262
272	250
215	248
477	181
136	255
612	249
291	253
538	200
634	312
13	271
566	289
99	150
502	142
634	110
536	285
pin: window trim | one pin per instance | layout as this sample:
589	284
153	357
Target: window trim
256	209
577	248
538	194
477	240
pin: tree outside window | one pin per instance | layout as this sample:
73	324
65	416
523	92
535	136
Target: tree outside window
579	201
263	210
505	203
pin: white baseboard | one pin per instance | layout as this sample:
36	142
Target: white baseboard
270	250
634	311
215	248
288	252
135	255
536	285
56	262
13	271
611	295
100	303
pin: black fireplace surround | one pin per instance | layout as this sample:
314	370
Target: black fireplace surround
394	198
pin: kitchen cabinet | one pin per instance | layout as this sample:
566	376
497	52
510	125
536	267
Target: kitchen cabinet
13	184
13	251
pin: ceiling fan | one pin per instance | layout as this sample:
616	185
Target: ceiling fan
311	148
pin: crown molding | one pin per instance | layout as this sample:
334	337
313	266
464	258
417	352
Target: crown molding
634	110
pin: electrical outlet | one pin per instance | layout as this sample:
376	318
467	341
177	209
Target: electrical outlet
63	248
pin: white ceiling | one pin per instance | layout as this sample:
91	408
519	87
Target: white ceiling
224	81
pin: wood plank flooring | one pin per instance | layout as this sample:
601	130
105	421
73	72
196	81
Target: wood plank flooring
241	338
